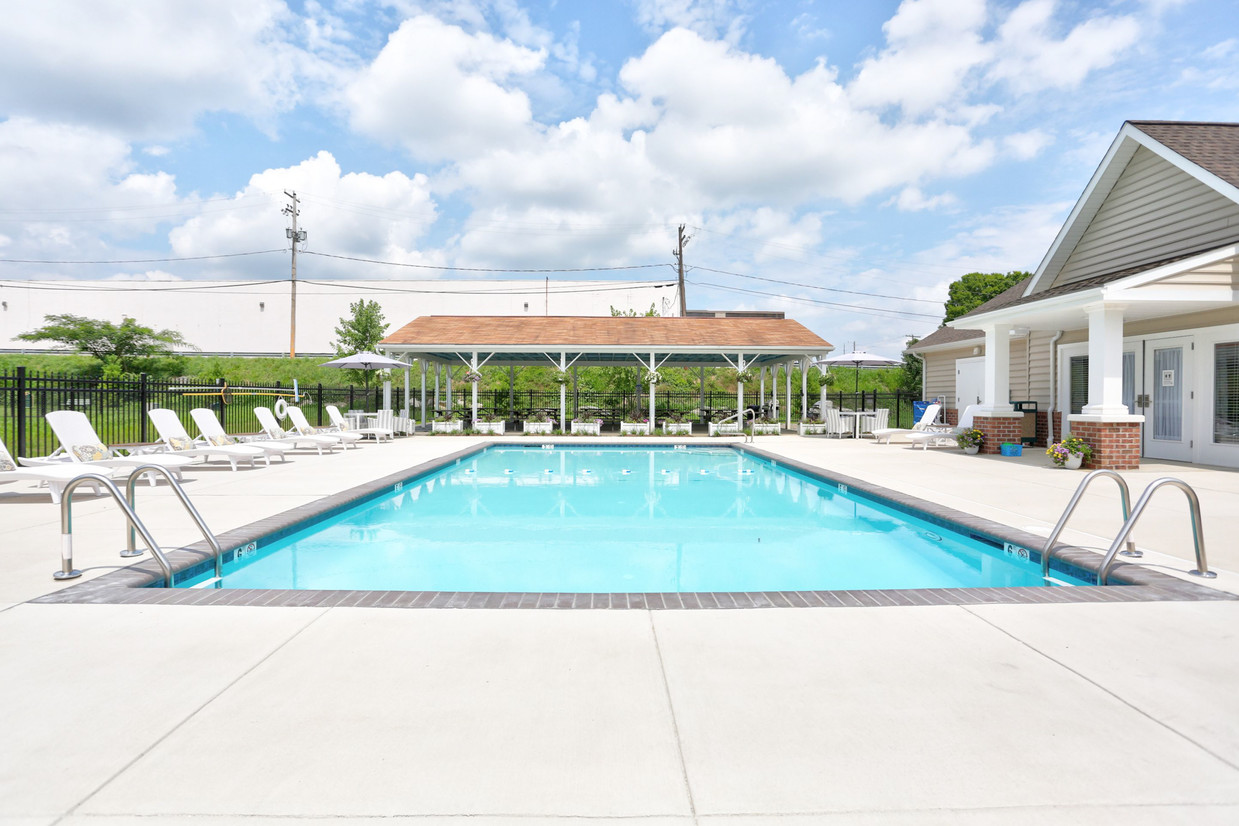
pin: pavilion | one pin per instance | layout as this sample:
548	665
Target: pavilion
569	342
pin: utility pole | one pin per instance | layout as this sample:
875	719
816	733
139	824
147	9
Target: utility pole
678	252
296	236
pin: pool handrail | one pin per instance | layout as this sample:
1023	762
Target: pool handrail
1198	539
67	571
1125	495
131	496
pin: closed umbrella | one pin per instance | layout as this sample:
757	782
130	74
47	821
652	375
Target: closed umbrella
858	359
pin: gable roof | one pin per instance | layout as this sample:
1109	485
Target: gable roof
1208	152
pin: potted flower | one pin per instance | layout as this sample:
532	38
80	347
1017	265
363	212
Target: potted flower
492	423
1070	453
812	427
473	376
447	421
562	377
652	377
970	441
764	425
640	427
745	376
675	424
538	422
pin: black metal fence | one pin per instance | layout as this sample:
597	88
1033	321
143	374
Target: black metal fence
117	408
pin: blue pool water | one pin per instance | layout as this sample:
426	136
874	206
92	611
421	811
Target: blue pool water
615	520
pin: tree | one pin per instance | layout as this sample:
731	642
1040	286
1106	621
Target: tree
910	373
360	331
125	348
975	288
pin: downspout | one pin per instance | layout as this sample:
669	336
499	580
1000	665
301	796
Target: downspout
1049	414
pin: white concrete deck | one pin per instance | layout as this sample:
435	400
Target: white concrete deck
1091	713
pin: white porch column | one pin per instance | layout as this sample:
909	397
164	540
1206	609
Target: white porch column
1105	361
804	387
473	367
649	425
740	395
563	393
761	393
447	380
997	396
511	391
787	369
422	362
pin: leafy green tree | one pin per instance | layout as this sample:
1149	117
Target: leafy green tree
910	372
975	288
122	349
360	331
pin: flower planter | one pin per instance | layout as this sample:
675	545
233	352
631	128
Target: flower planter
493	428
764	429
812	429
590	428
452	426
542	428
725	429
678	428
972	450
1073	461
634	428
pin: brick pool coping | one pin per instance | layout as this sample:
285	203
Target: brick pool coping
139	583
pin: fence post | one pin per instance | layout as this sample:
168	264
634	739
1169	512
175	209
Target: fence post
19	410
220	383
142	417
320	403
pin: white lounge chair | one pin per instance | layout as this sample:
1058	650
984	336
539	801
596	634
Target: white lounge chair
925	422
302	427
211	430
80	443
944	436
271	428
341	425
173	435
54	476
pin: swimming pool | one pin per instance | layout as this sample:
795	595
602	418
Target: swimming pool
624	520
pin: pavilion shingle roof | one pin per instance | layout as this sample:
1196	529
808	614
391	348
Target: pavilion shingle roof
581	331
1211	146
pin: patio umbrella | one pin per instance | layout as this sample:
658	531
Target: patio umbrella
365	361
858	359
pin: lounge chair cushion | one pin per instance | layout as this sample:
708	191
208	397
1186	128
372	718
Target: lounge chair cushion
177	443
222	440
6	464
91	453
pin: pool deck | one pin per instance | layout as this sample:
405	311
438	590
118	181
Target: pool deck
1121	712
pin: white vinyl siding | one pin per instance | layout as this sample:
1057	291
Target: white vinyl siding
940	374
1155	211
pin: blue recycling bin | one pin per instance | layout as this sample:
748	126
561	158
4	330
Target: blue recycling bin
918	410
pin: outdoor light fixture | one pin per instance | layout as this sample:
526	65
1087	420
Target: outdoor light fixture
262	305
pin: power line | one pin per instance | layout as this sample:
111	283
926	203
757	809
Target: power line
536	291
481	269
851	307
142	260
817	287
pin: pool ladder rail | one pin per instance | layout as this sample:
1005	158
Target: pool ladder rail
128	504
1130	517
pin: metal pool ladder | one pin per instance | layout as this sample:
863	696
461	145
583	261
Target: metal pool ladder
128	504
1130	517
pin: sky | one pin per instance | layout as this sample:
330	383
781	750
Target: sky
840	161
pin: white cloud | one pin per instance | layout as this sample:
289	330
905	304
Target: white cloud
1024	146
443	93
911	199
709	18
354	214
1031	58
147	69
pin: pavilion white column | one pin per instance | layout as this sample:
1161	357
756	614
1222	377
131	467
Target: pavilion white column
563	393
740	395
576	391
447	380
649	425
1105	361
473	368
804	387
997	397
422	362
511	390
761	392
787	370
701	373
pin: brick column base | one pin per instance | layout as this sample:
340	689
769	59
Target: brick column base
998	430
1116	445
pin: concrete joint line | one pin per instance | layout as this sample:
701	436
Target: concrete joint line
73	809
675	725
1105	690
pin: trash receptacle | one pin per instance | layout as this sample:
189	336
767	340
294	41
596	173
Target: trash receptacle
918	410
1028	431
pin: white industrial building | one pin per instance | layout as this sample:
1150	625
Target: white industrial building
251	318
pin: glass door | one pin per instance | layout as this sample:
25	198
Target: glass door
1167	428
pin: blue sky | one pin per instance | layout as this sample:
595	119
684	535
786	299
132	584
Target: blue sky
861	154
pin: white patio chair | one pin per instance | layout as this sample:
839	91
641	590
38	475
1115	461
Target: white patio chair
875	422
271	428
55	477
302	427
379	432
835	425
944	436
81	444
887	434
173	435
211	430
